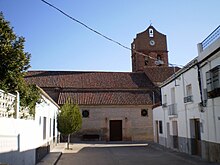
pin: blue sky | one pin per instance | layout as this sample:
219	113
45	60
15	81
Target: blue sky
57	43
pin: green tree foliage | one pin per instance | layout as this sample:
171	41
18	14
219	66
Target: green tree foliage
69	120
14	62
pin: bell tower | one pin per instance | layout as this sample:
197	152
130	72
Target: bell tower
154	45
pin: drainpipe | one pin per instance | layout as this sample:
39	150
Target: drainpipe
186	115
200	85
153	98
165	128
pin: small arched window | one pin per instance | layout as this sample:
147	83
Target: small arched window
145	60
159	57
151	32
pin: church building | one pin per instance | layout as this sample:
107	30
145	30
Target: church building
115	106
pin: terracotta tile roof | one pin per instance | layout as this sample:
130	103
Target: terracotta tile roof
89	80
95	88
108	98
159	74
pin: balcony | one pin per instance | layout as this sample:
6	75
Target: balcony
172	110
188	99
7	102
164	105
211	38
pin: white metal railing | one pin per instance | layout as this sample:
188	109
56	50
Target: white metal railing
211	38
164	105
7	103
188	99
172	109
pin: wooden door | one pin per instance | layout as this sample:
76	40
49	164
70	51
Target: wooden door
157	131
197	137
115	130
168	135
175	135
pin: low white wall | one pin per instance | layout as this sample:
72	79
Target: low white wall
19	138
158	115
211	121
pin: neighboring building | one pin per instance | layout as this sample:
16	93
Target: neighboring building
115	105
26	141
189	118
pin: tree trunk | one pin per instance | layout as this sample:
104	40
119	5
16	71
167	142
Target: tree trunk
68	142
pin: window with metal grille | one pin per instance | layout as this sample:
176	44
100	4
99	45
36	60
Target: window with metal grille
213	82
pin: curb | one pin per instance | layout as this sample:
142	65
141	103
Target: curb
58	158
51	159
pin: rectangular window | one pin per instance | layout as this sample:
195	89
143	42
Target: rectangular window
213	82
215	77
44	127
160	127
164	101
189	97
189	90
173	99
54	127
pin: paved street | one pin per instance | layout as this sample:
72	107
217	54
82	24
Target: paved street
125	154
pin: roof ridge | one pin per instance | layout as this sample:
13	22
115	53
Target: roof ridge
72	71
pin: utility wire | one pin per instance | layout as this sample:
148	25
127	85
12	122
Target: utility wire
99	33
86	26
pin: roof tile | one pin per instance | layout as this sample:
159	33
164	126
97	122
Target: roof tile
160	74
107	98
96	88
89	80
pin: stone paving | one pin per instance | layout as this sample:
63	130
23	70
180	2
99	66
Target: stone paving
125	154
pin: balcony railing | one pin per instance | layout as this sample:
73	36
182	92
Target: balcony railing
7	102
164	105
172	110
211	38
188	99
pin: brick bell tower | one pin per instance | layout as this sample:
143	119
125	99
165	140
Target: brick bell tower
152	43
